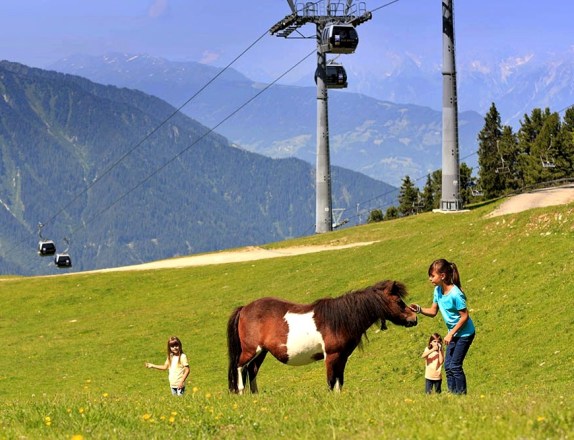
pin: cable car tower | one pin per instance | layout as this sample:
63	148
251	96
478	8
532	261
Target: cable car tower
335	33
450	197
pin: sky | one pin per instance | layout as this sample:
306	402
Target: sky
40	32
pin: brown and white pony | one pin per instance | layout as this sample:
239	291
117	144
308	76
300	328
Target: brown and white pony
298	334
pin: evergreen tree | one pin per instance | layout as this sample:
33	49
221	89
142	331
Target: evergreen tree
427	196
408	197
376	215
510	175
436	178
567	142
465	183
534	142
490	161
391	213
549	148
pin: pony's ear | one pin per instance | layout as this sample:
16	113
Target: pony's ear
399	289
392	288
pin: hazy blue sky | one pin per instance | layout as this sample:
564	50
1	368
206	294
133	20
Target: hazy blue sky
38	32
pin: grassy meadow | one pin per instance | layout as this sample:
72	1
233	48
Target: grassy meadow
74	346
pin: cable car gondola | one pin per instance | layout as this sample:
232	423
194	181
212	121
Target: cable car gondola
335	76
62	259
45	247
339	38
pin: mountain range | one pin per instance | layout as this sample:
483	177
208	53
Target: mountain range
382	139
387	125
516	83
125	178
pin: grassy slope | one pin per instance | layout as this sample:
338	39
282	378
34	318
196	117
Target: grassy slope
73	347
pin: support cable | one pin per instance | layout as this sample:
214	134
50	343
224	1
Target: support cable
152	132
211	130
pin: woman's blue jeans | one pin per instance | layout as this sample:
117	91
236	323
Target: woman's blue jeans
455	354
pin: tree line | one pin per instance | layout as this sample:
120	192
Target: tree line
541	151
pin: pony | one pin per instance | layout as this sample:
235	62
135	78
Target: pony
297	334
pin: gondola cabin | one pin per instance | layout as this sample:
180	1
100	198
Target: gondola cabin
46	247
335	76
339	38
63	260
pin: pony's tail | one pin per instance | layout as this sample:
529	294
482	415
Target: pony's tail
233	349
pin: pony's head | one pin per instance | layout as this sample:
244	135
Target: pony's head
395	309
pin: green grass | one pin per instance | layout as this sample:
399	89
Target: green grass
74	346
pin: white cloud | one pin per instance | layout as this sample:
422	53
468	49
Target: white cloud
209	57
158	8
477	66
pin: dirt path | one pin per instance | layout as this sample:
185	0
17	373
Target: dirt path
250	253
522	202
536	199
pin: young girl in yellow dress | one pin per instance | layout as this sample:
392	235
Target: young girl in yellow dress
177	365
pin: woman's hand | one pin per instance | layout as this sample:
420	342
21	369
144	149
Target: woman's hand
415	308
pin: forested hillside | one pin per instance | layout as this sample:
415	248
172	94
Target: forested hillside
109	169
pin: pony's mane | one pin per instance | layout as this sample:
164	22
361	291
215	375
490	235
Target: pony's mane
354	312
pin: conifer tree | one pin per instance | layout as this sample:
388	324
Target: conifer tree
533	144
436	178
465	174
510	173
408	197
391	213
376	215
567	142
427	196
489	160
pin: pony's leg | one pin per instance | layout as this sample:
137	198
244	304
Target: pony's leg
335	364
244	373
240	380
253	369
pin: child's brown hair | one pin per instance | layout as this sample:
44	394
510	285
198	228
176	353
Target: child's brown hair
435	337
